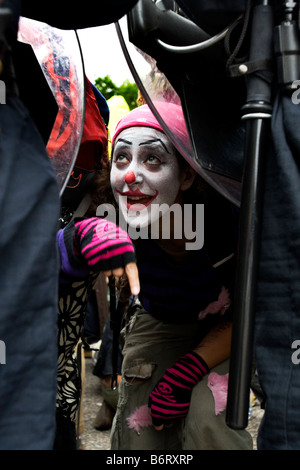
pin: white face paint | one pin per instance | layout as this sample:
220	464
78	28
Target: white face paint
145	171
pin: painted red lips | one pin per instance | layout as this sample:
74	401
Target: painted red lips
137	198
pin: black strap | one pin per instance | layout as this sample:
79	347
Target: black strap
79	363
118	306
251	67
115	322
233	54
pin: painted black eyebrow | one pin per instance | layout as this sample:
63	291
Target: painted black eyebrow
124	141
155	140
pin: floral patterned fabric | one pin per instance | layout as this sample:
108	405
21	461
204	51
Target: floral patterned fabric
72	308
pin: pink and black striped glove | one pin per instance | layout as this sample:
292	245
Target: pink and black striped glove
170	398
93	244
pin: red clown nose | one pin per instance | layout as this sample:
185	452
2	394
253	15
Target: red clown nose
129	177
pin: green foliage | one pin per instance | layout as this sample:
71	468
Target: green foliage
106	86
108	89
130	93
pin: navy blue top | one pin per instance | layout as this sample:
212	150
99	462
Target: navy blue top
177	292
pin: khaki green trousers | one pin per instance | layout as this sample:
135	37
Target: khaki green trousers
150	347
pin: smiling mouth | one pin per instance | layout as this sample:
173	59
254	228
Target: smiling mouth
137	199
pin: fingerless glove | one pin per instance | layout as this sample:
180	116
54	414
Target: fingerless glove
93	244
171	396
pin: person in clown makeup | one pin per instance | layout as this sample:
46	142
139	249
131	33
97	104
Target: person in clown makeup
178	332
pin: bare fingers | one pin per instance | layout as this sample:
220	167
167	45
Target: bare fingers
132	274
